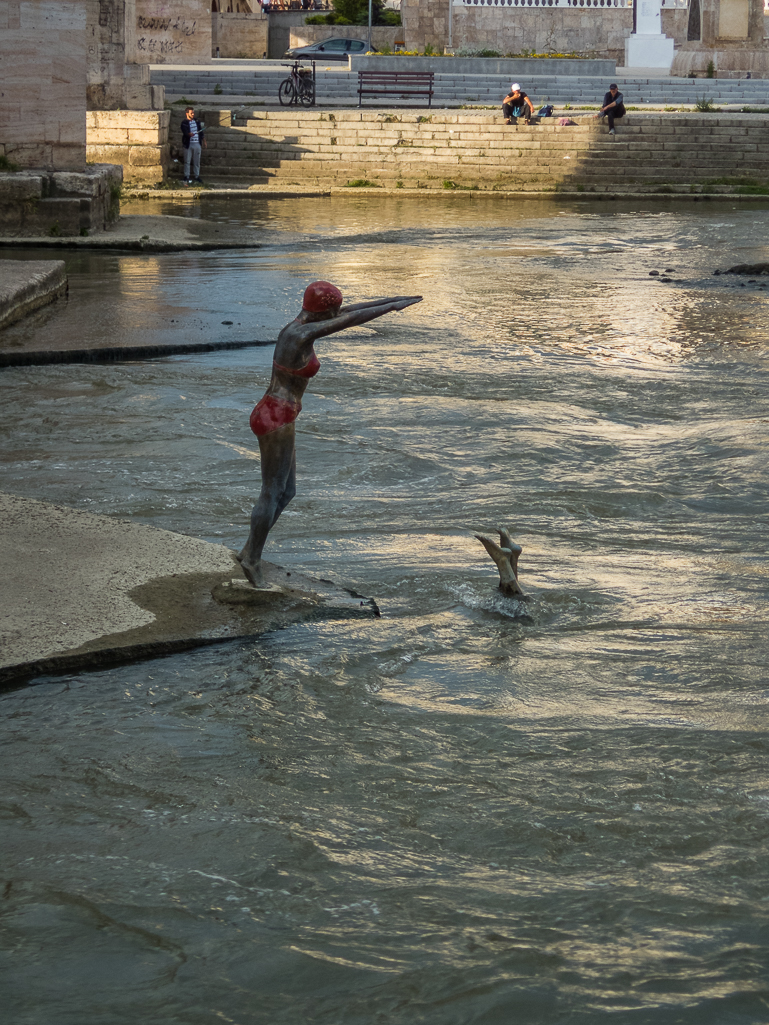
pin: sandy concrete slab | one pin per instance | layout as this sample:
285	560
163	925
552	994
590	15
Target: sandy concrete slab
25	285
80	590
152	234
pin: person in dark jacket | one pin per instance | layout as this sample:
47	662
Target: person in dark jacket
194	140
613	107
517	104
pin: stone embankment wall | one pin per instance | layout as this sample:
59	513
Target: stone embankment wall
600	32
239	35
477	151
43	62
137	140
34	203
163	32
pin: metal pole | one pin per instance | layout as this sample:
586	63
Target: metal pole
451	26
370	4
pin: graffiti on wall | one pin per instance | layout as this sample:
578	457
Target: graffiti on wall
163	35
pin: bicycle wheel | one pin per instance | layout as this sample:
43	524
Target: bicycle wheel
307	93
286	92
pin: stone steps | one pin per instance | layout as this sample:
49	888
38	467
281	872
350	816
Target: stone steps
341	85
472	149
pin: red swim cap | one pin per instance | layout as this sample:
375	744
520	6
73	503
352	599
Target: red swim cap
321	296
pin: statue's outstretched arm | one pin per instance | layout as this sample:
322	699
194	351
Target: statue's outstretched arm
351	317
377	302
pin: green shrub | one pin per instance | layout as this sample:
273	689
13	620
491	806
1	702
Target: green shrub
362	183
355	12
705	105
7	165
710	71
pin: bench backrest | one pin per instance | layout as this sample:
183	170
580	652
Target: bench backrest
396	77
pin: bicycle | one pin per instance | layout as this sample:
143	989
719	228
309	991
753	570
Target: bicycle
298	87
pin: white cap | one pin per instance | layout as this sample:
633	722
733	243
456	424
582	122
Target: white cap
514	87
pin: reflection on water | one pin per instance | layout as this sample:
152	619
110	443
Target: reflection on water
447	815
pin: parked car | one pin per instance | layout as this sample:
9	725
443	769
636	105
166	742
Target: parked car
328	50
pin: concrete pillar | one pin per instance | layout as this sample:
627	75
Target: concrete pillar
114	84
43	76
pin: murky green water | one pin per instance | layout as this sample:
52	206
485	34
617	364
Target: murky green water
445	816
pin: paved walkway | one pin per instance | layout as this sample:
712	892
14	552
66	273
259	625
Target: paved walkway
80	591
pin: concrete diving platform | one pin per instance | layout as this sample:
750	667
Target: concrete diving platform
82	591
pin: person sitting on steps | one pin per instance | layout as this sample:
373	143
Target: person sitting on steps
613	108
517	104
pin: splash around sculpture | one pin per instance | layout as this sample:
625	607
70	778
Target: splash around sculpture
273	417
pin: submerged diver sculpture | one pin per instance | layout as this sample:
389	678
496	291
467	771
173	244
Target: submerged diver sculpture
272	420
505	555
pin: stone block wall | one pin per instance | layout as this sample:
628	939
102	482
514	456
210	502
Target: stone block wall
600	33
169	32
239	35
35	203
43	83
137	140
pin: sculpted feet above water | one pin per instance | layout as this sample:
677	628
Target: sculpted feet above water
505	556
252	568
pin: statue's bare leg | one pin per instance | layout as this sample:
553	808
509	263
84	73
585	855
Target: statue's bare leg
278	454
503	557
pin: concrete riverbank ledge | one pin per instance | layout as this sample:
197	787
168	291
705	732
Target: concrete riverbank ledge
59	203
80	591
154	233
26	285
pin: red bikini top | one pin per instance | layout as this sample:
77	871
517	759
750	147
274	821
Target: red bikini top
308	370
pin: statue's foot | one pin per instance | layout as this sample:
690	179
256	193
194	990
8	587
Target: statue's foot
252	570
503	558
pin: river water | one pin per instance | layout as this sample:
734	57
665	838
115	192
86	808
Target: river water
449	815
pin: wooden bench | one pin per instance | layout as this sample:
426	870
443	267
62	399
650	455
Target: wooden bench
395	83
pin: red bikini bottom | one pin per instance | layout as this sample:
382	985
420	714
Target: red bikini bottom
270	413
